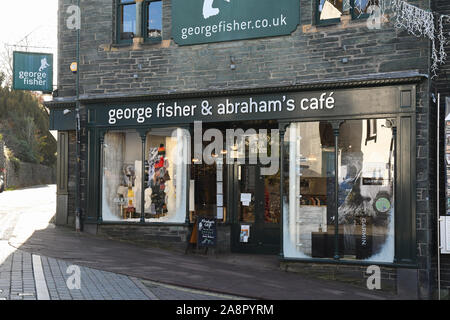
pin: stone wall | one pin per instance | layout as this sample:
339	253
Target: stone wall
353	274
175	237
28	174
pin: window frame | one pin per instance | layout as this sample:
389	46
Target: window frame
119	19
145	16
341	259
143	19
334	21
98	147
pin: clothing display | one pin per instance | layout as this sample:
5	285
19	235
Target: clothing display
158	175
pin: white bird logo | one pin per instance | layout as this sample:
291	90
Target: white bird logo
208	10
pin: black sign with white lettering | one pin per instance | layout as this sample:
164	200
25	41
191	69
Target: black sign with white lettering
282	105
207	232
373	181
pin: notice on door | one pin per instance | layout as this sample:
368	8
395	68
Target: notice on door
245	233
246	198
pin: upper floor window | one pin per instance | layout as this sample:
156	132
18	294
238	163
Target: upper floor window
330	11
139	19
127	20
153	20
361	8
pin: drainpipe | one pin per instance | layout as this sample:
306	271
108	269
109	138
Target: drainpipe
438	198
78	216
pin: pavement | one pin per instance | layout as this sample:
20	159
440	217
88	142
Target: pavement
251	276
37	257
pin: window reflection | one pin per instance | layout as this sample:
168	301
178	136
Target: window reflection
154	21
128	22
165	175
365	192
366	182
330	9
308	207
362	6
121	176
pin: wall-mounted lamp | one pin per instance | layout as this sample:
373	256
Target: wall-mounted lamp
66	111
74	67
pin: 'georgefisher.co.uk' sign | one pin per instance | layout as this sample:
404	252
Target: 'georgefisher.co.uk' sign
33	71
201	21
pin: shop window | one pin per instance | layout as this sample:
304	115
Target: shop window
309	191
153	20
126	20
165	175
122	156
366	185
365	202
166	154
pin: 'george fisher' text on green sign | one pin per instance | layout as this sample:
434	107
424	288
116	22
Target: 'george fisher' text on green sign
33	71
203	21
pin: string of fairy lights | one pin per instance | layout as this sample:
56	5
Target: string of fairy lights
418	22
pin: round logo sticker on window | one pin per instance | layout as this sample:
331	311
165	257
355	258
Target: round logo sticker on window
383	205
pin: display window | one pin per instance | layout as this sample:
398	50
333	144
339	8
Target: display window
366	185
165	175
364	229
122	156
163	179
309	226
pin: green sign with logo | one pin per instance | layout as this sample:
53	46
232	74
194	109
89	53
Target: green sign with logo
33	71
203	21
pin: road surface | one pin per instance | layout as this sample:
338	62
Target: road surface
26	276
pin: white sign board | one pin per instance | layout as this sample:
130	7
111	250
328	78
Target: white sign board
445	234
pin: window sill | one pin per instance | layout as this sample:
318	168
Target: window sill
326	23
346	21
349	262
138	223
137	46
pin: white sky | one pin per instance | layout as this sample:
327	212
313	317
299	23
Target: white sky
36	19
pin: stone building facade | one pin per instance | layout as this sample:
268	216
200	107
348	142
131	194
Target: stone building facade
339	56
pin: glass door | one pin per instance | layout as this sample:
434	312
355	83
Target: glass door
257	208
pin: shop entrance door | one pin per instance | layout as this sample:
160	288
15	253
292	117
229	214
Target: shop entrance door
256	227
